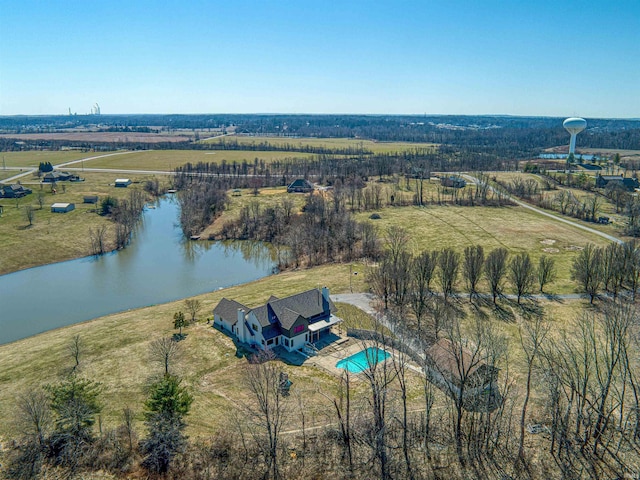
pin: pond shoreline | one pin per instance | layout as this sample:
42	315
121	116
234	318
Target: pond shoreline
158	266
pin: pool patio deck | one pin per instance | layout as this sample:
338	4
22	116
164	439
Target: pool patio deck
333	347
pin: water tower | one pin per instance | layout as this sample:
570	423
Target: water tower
574	126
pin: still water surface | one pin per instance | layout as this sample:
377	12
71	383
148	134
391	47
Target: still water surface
159	266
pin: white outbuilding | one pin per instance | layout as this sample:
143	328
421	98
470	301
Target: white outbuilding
62	207
123	182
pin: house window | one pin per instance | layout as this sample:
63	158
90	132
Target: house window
276	340
255	327
298	329
286	342
306	337
269	342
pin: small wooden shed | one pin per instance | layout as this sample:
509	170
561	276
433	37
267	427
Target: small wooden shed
123	182
90	199
62	207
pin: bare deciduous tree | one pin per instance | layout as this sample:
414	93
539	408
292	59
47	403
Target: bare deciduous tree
546	271
495	270
521	273
449	263
532	335
193	307
29	214
34	415
587	270
379	375
75	350
473	264
165	352
98	238
268	411
422	269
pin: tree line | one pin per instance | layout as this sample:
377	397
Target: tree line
322	231
411	281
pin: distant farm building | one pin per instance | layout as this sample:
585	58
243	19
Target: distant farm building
628	183
14	191
56	176
90	199
62	207
300	185
453	182
123	182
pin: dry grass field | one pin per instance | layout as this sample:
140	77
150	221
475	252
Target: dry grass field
54	237
607	208
167	160
33	158
515	228
374	146
116	353
115	137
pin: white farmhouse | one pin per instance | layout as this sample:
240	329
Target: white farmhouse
291	322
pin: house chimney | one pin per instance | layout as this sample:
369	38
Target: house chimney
325	293
240	330
325	299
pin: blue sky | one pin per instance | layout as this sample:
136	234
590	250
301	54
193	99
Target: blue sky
439	57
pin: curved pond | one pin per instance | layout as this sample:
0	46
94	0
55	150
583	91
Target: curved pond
159	266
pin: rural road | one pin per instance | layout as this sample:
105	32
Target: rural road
163	172
547	214
30	170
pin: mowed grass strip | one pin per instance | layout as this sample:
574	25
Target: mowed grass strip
168	160
515	228
55	237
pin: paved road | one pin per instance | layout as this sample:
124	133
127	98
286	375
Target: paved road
366	303
520	203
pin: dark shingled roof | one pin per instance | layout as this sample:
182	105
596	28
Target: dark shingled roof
308	304
301	183
262	314
286	316
279	312
228	310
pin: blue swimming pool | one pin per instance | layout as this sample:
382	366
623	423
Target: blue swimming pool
360	361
